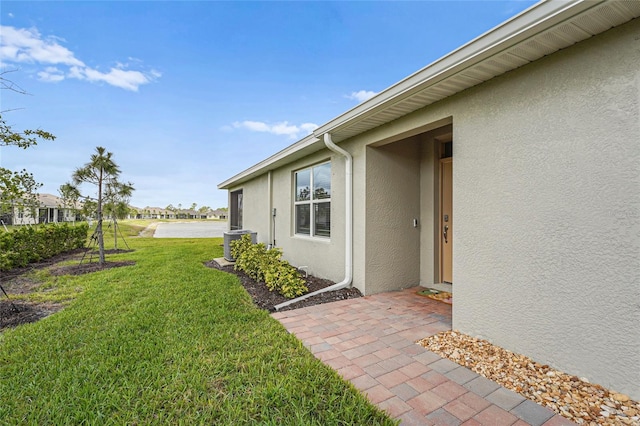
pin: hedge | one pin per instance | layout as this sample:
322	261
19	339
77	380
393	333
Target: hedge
29	244
267	266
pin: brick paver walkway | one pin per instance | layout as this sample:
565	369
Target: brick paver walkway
370	341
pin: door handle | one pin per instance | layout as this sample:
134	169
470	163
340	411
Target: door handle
445	232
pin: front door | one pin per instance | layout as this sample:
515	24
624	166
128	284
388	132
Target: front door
446	220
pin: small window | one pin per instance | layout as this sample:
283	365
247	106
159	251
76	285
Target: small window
312	203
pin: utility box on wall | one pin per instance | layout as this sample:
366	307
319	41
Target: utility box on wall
236	235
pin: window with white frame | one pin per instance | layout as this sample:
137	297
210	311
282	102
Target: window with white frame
313	201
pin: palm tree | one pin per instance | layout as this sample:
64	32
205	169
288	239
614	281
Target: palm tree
100	170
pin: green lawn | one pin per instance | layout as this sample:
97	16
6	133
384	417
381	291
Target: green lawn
167	341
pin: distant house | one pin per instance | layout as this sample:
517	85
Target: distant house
134	213
50	209
509	167
185	214
156	213
217	214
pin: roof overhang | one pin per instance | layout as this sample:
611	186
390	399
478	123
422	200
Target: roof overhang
300	149
541	30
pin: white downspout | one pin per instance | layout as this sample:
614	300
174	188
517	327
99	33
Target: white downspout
270	202
348	249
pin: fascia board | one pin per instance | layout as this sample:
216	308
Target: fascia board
534	20
276	160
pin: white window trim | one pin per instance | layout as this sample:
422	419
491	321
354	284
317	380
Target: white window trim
311	202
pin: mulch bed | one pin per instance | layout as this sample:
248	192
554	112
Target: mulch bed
266	299
87	268
16	312
16	281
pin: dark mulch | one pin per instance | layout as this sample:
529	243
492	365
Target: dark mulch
16	281
13	313
266	299
87	268
87	256
16	272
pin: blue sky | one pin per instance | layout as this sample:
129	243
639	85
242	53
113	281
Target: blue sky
188	94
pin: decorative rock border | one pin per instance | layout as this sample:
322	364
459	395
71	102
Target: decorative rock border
572	397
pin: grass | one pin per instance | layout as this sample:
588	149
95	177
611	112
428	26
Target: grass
166	341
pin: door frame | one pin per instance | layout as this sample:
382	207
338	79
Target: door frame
235	209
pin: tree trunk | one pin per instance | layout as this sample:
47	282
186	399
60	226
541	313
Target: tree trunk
115	233
99	226
100	239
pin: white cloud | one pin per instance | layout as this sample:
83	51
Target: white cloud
282	128
20	45
308	127
51	74
361	95
285	128
254	126
27	45
125	79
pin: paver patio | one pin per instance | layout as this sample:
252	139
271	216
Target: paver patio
370	341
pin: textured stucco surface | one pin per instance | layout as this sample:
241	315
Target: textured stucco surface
392	203
255	206
547	204
429	215
324	257
547	207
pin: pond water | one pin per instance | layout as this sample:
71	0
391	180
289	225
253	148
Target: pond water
211	229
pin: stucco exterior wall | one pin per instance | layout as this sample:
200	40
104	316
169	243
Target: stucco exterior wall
357	150
323	256
255	207
429	203
392	204
547	207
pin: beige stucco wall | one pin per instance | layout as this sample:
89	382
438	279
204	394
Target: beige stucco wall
255	206
392	203
323	256
547	208
429	215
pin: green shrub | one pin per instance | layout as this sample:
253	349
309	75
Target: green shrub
240	246
30	244
284	278
251	261
267	266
